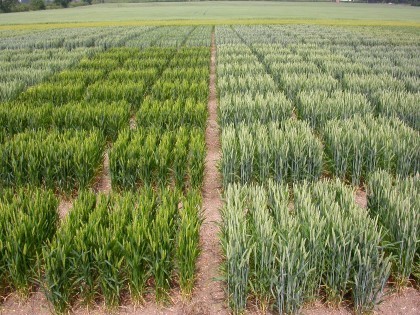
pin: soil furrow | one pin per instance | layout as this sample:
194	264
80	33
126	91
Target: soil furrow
209	296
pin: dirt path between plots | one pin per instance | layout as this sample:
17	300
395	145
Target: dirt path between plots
209	295
104	183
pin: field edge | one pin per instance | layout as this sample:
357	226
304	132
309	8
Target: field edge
193	22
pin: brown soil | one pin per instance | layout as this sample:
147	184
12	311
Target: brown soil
133	122
64	207
361	198
36	304
319	308
209	295
104	183
405	303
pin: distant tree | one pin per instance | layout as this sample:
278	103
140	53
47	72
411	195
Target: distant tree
63	3
37	4
8	5
87	1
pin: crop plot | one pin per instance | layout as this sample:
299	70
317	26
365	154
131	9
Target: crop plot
63	161
22	68
259	152
135	236
28	219
282	257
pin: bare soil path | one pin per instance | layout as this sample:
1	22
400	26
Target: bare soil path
209	295
104	183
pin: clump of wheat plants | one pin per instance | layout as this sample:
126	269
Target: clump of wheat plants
238	108
284	255
258	152
371	84
64	161
293	83
109	245
236	248
264	236
359	146
28	220
395	202
355	260
114	91
318	107
402	105
108	118
136	245
171	114
187	241
87	76
145	158
265	254
161	239
56	93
